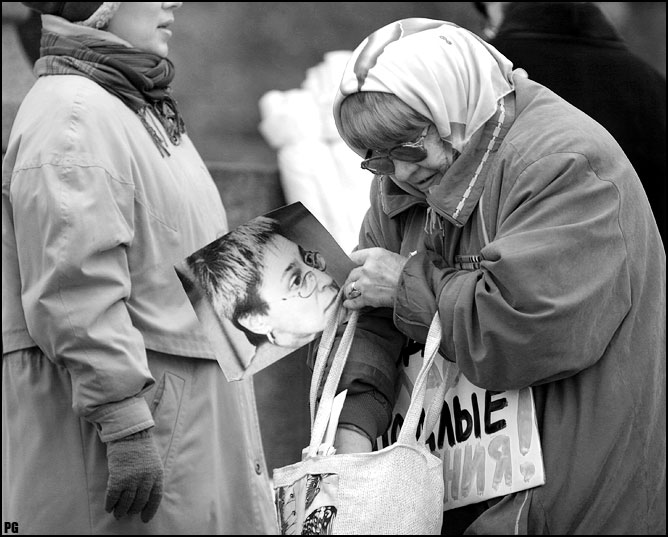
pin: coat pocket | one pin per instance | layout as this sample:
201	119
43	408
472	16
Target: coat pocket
166	410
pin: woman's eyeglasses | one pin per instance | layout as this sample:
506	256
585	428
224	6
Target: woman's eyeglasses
406	152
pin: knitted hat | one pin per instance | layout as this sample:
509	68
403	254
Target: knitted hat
93	14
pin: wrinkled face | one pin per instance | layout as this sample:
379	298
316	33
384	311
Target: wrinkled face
299	296
418	177
145	25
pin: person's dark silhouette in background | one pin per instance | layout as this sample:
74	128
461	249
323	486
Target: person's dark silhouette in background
30	33
571	48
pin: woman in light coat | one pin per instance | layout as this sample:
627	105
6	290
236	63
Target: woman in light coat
116	415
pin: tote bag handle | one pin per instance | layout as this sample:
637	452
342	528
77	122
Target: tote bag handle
408	431
320	417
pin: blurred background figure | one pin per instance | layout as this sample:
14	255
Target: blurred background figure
574	49
316	167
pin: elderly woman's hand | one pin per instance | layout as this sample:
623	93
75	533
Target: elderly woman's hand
374	282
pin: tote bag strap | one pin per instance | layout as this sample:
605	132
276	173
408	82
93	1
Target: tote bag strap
450	371
408	432
327	339
409	428
320	417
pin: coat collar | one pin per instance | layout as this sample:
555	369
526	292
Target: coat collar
457	194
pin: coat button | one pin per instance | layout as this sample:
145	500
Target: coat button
258	468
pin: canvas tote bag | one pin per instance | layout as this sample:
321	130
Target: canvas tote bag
397	490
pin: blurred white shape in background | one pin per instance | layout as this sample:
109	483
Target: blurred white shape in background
316	166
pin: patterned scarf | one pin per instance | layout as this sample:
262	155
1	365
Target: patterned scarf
139	79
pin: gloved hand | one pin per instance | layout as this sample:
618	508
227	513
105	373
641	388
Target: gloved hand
135	476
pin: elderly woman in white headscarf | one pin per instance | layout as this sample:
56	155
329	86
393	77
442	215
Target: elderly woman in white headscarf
522	223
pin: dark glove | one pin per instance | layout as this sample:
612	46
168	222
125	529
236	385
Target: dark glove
135	476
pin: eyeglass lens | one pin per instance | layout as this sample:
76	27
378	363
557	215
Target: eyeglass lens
407	152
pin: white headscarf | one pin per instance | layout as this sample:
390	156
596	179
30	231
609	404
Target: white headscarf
442	71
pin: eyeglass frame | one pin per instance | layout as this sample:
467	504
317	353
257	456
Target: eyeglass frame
313	259
309	275
417	144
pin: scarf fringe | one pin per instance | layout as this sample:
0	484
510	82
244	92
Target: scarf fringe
169	117
157	139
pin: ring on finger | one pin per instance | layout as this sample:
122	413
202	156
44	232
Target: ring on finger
354	292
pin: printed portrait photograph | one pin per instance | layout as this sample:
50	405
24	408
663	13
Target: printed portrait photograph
267	288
